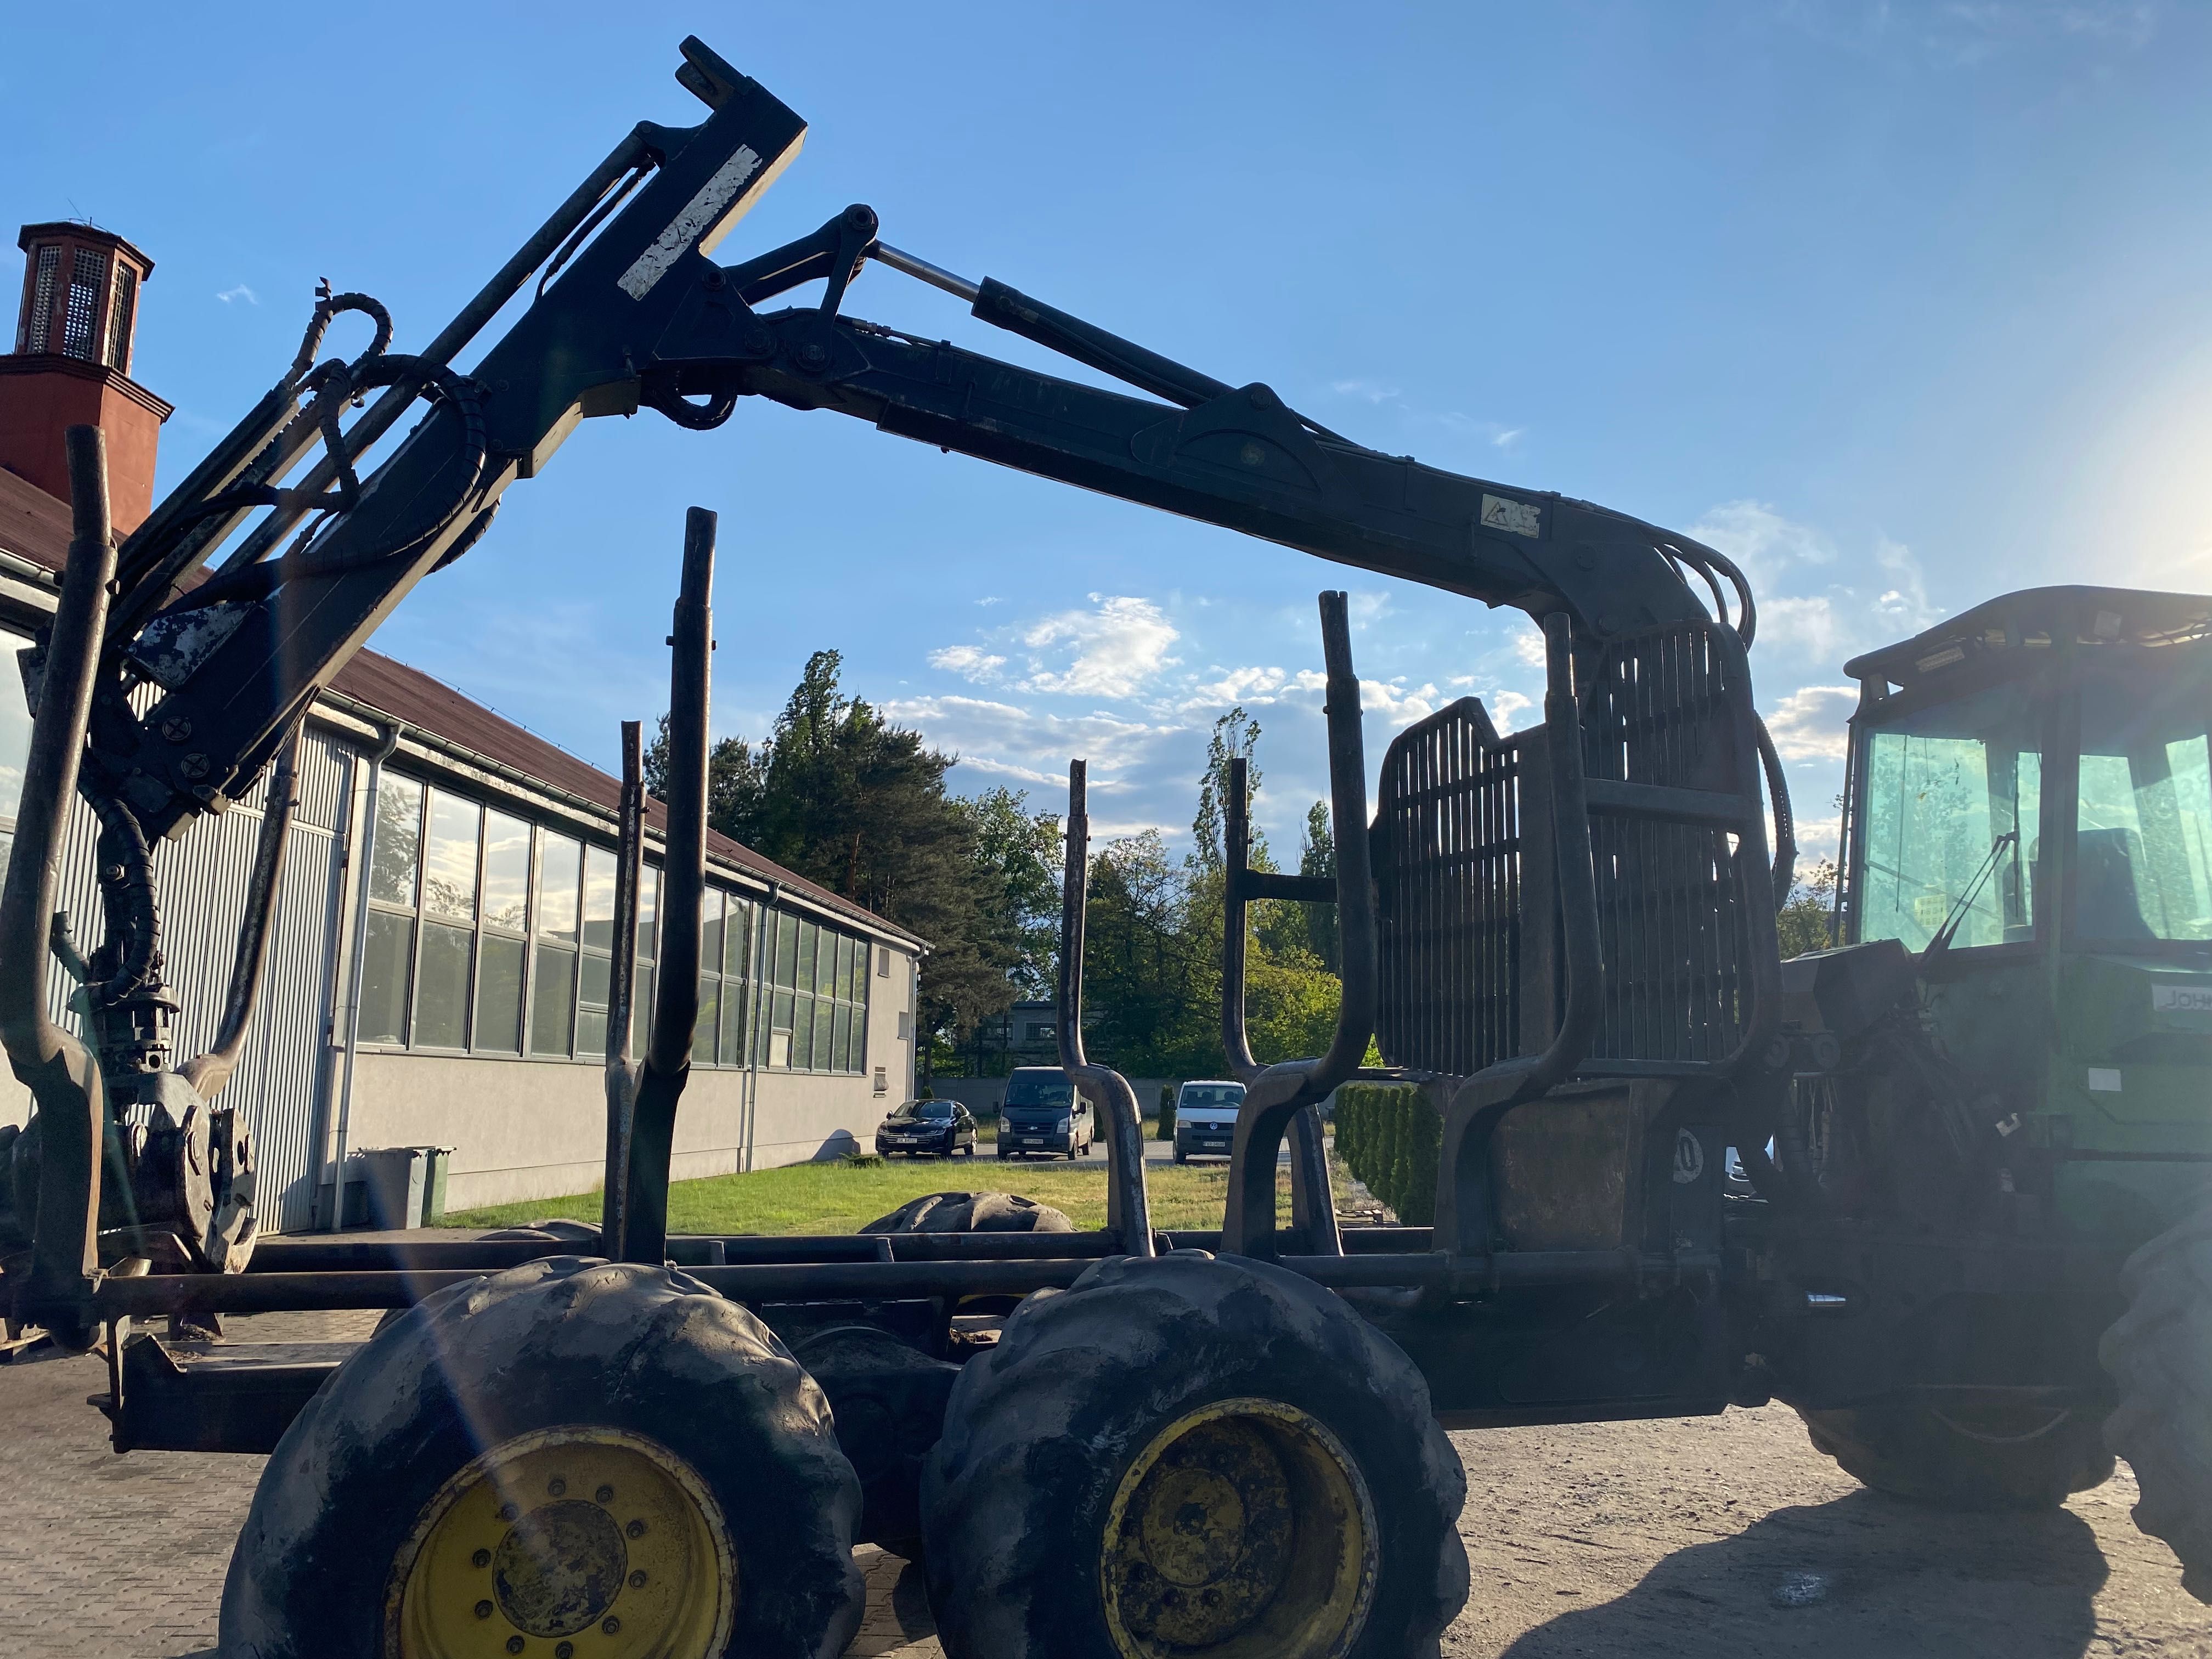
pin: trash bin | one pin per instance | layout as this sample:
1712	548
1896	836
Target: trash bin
403	1186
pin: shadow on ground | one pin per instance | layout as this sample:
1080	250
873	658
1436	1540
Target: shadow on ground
1861	1575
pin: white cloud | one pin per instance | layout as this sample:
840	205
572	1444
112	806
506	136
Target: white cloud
1809	724
1506	440
1255	685
1760	538
969	661
1023	742
1391	700
1529	645
240	292
1372	392
1506	709
1367	605
1118	648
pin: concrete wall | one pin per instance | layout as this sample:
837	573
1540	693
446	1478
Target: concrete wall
525	1129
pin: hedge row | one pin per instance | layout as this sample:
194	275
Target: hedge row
1390	1136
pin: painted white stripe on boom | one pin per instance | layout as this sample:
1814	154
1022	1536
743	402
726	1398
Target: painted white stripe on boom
700	215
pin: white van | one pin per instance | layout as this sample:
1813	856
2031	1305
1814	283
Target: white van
1206	1118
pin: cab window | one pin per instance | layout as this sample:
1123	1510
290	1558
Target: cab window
2144	868
1948	790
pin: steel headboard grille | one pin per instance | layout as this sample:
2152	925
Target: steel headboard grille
1467	922
1447	866
1671	931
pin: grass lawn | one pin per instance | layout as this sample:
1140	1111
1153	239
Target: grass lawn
842	1198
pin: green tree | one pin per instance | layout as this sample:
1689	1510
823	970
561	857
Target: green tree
858	805
1317	857
1801	925
1018	852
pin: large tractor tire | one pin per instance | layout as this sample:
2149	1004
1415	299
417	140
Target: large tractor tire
2160	1352
570	1459
1197	1457
972	1213
1966	1454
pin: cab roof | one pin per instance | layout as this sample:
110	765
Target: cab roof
2037	618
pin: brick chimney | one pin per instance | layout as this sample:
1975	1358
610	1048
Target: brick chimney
71	366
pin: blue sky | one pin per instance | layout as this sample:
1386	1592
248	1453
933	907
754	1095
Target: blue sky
1902	305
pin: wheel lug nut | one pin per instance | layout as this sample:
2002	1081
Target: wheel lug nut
610	1625
604	1495
514	1645
507	1511
635	1529
556	1486
637	1581
566	1650
481	1559
483	1609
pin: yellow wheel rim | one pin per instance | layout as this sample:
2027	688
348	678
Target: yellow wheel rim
571	1543
1243	1530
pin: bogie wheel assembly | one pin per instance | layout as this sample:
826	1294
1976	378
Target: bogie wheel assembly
1968	1453
1194	1457
570	1460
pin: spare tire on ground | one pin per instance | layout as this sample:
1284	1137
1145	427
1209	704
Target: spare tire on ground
561	1454
972	1213
2160	1352
1193	1458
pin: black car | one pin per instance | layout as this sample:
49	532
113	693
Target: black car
940	1127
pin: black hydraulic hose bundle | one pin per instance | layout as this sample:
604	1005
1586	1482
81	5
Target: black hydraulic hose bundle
335	384
127	897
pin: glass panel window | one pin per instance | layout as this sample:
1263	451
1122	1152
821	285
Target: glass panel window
809	936
641	1023
733	1022
737	948
802	1033
398	841
703	1034
552	999
506	873
648	905
841	1046
599	898
14	726
787	949
1953	793
710	931
499	996
557	871
388	949
598	981
449	857
442	987
2143	867
824	1033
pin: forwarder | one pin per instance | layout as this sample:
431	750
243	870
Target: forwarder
1225	1442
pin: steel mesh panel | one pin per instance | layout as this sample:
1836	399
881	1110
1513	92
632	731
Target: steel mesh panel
36	325
1671	929
89	273
118	318
1448	871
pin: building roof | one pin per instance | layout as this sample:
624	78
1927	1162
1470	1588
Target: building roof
35	525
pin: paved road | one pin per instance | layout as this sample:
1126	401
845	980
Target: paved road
1713	1538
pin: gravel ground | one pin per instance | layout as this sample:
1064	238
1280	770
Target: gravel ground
1713	1537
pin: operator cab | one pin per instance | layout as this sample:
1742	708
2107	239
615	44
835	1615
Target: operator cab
2036	771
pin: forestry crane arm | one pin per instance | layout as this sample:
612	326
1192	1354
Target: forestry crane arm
632	312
